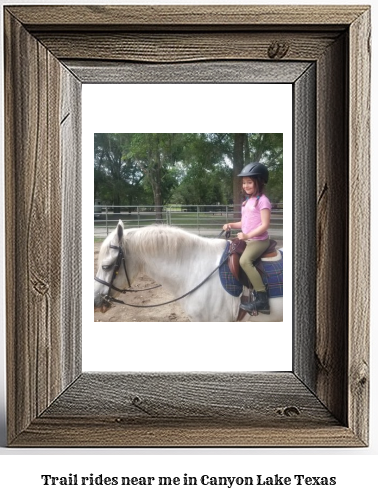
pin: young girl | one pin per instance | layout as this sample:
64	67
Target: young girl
254	225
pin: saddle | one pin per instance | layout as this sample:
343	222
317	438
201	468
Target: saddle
237	247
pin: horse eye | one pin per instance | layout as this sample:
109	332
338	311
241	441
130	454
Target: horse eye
108	266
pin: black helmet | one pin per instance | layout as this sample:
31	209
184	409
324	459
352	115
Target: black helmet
255	169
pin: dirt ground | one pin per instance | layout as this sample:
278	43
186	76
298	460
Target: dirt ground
120	312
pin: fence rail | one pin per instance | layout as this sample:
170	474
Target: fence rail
205	220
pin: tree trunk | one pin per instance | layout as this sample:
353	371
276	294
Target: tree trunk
260	147
238	166
156	189
158	205
247	152
117	208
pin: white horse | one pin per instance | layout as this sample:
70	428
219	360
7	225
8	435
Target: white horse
177	260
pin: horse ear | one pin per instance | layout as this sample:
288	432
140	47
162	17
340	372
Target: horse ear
120	229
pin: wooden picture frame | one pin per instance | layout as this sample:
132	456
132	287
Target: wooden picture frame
323	51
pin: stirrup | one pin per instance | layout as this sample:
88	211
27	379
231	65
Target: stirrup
250	305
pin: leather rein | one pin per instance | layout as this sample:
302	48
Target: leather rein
121	260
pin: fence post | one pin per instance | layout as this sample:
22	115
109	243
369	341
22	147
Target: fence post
198	228
138	216
106	221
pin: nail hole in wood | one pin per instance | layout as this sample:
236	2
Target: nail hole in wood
278	50
288	411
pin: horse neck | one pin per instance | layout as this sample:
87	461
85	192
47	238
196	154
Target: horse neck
179	262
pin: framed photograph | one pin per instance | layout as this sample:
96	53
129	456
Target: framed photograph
121	160
323	53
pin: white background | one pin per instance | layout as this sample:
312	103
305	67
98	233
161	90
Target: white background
355	469
184	346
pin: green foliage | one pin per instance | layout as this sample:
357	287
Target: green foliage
268	149
116	180
156	169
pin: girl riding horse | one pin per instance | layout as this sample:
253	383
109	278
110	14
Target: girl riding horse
254	225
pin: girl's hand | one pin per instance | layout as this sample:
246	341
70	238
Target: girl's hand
226	227
242	236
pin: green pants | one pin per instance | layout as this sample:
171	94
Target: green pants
253	250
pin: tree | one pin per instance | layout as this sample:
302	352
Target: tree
155	155
239	144
193	168
117	179
268	149
205	167
108	164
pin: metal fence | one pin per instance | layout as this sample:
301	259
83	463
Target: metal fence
205	220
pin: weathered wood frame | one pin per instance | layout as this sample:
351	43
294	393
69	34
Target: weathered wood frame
49	53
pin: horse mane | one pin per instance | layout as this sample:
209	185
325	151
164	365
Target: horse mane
160	239
169	240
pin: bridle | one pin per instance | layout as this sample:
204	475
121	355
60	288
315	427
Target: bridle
121	260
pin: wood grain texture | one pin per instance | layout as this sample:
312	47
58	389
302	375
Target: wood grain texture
239	397
202	72
184	16
324	402
332	230
33	196
304	227
33	233
359	226
186	410
100	432
180	47
71	189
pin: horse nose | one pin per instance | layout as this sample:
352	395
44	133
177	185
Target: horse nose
100	304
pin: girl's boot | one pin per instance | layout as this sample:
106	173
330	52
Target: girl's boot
260	304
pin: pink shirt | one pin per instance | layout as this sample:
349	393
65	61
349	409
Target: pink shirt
251	216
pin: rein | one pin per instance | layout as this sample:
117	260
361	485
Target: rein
121	258
173	300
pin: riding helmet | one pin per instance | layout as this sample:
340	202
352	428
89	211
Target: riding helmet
255	169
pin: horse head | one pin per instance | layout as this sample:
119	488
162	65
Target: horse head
114	274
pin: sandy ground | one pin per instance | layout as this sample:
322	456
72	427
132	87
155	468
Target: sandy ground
120	312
